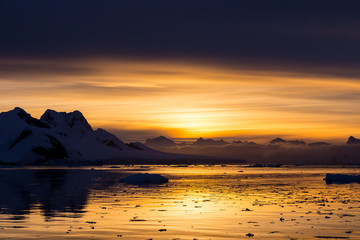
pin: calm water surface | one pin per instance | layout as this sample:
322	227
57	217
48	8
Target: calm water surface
199	202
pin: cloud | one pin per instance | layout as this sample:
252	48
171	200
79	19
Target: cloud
319	37
188	100
190	68
136	135
20	67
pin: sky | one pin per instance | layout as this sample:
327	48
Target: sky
186	69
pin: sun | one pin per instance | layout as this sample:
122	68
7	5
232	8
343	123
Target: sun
192	122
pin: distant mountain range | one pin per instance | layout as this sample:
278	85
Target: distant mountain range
61	138
276	151
164	142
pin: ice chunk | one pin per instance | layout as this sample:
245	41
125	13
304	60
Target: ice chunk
145	178
341	178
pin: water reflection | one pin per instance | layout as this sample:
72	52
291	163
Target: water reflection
53	191
198	202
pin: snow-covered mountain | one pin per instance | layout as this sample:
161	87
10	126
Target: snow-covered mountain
61	136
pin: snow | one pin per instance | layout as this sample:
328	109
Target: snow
65	121
144	178
62	136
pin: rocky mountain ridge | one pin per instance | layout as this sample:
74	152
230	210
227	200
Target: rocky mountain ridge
63	137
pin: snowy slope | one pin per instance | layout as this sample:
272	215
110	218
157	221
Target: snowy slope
62	136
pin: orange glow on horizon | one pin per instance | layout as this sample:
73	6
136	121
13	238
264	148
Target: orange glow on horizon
188	100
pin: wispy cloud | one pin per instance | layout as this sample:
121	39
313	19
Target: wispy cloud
186	100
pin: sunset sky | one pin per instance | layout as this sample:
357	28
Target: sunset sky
184	69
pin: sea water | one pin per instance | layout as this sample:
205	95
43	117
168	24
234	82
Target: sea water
198	202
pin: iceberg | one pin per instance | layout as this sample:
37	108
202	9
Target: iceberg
341	178
144	178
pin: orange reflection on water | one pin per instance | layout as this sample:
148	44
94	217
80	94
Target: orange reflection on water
202	202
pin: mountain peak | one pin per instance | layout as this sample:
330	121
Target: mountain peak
18	112
209	142
73	119
160	141
291	142
278	140
353	140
